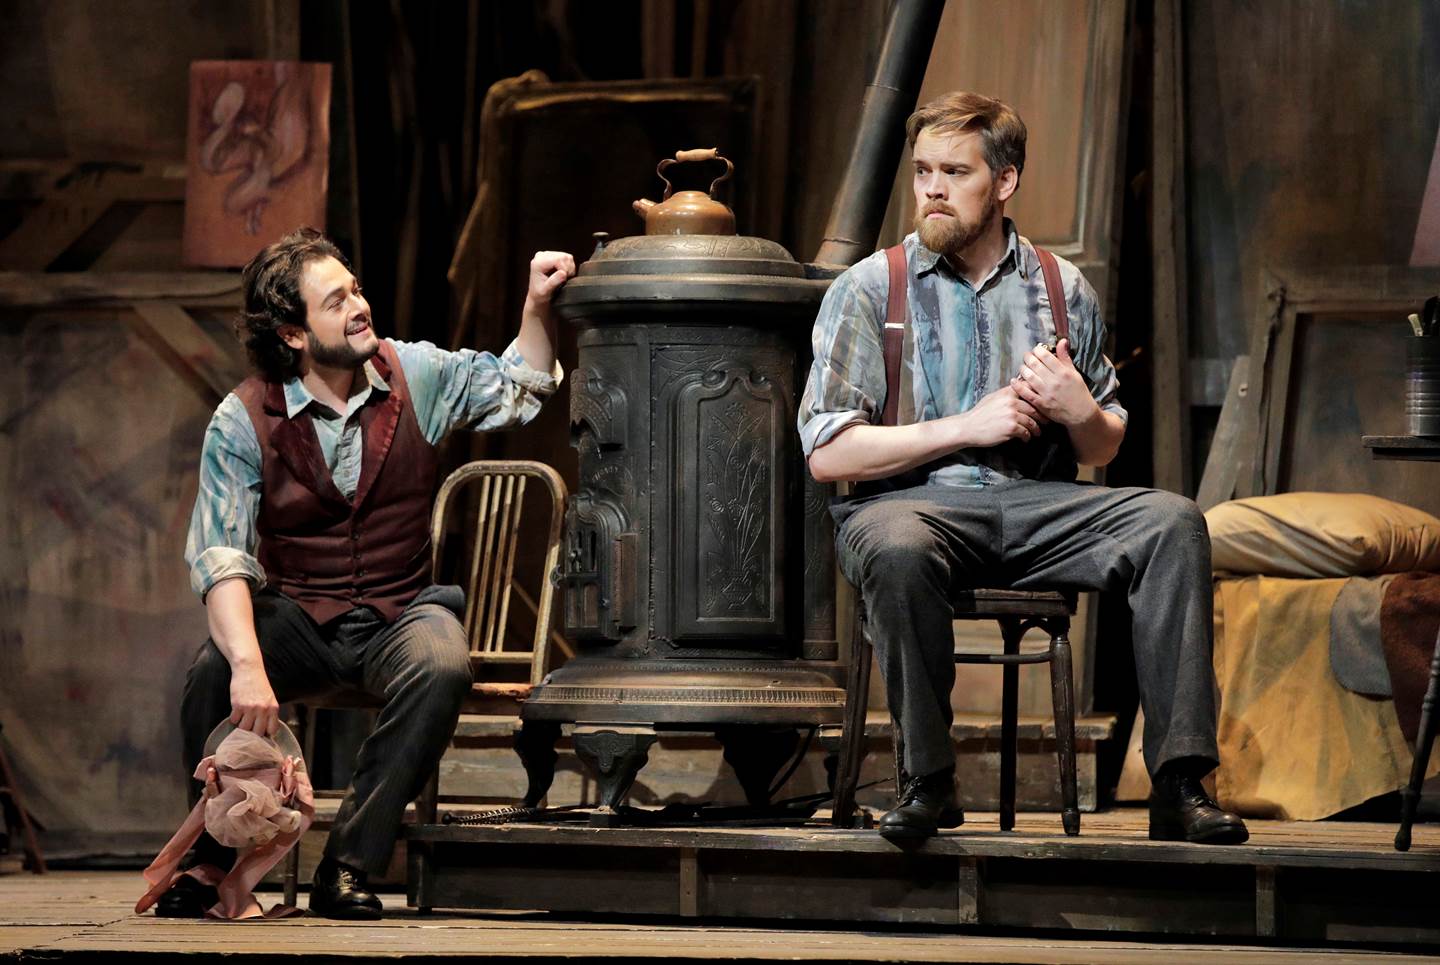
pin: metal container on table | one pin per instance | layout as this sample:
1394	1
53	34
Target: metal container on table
1422	385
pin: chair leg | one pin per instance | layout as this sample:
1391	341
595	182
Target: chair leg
300	723
427	805
1429	717
1011	631
852	738
1062	689
11	790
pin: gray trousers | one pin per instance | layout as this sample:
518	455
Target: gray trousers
908	551
419	665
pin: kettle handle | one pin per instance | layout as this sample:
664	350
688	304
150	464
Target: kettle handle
695	154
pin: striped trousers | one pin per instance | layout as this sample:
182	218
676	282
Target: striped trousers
418	665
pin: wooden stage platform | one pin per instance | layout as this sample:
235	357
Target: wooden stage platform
1316	882
1325	891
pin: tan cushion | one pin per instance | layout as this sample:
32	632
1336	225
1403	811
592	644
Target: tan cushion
1322	535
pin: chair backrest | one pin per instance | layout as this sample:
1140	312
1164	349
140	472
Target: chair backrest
487	569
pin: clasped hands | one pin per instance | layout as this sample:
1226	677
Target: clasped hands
1048	388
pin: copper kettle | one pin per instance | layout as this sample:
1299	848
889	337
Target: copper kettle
688	212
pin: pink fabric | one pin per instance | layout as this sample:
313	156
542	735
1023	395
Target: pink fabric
256	800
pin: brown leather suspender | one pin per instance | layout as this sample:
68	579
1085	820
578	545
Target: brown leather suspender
897	317
1056	293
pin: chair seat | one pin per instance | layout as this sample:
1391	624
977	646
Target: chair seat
491	689
344	700
985	604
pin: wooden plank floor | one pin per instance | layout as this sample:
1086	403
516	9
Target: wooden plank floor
85	916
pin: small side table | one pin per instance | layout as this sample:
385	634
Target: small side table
1427	449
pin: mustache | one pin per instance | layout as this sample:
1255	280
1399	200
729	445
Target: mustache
937	207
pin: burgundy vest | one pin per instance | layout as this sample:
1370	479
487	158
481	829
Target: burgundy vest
329	554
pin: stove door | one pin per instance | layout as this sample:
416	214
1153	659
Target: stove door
723	467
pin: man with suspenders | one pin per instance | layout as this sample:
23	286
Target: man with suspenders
958	380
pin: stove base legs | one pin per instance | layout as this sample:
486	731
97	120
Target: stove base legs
535	743
757	754
614	754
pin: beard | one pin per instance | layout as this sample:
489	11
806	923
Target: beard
950	236
341	355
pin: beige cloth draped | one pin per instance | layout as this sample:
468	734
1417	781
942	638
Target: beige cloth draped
1294	743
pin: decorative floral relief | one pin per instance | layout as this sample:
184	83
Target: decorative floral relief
735	505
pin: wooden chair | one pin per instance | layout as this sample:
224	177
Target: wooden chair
1424	740
504	675
488	566
1017	612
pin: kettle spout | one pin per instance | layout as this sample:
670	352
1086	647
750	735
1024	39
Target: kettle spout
643	207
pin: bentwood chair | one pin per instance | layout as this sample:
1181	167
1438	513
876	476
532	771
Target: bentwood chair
505	667
1017	612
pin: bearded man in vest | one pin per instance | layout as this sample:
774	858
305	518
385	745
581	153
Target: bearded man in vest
970	481
310	546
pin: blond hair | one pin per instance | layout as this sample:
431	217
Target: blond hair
1001	130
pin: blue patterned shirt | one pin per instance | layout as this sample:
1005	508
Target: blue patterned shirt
449	390
963	343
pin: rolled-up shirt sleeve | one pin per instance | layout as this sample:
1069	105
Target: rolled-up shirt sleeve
1089	354
846	386
222	539
473	390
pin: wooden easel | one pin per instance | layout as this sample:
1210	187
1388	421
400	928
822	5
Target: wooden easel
10	795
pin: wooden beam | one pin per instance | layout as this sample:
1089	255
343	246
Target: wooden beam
1170	347
33	289
187	350
657	39
72	198
689	882
1267	901
1250	432
38	179
968	908
279	29
1217	482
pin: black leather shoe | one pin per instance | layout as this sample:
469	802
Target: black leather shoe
339	891
187	898
927	803
1180	810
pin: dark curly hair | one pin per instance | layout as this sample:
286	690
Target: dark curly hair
271	283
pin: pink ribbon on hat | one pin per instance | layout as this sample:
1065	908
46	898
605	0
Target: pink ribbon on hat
256	800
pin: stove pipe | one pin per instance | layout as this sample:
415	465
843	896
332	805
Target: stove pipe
859	208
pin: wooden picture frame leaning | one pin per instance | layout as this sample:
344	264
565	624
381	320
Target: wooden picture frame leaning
1307	314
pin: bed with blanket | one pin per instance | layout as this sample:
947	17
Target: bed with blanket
1327	607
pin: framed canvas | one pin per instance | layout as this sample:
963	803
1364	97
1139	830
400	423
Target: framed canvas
257	156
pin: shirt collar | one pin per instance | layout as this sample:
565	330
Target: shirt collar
297	397
1022	254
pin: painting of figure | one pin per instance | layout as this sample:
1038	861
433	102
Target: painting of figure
257	156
